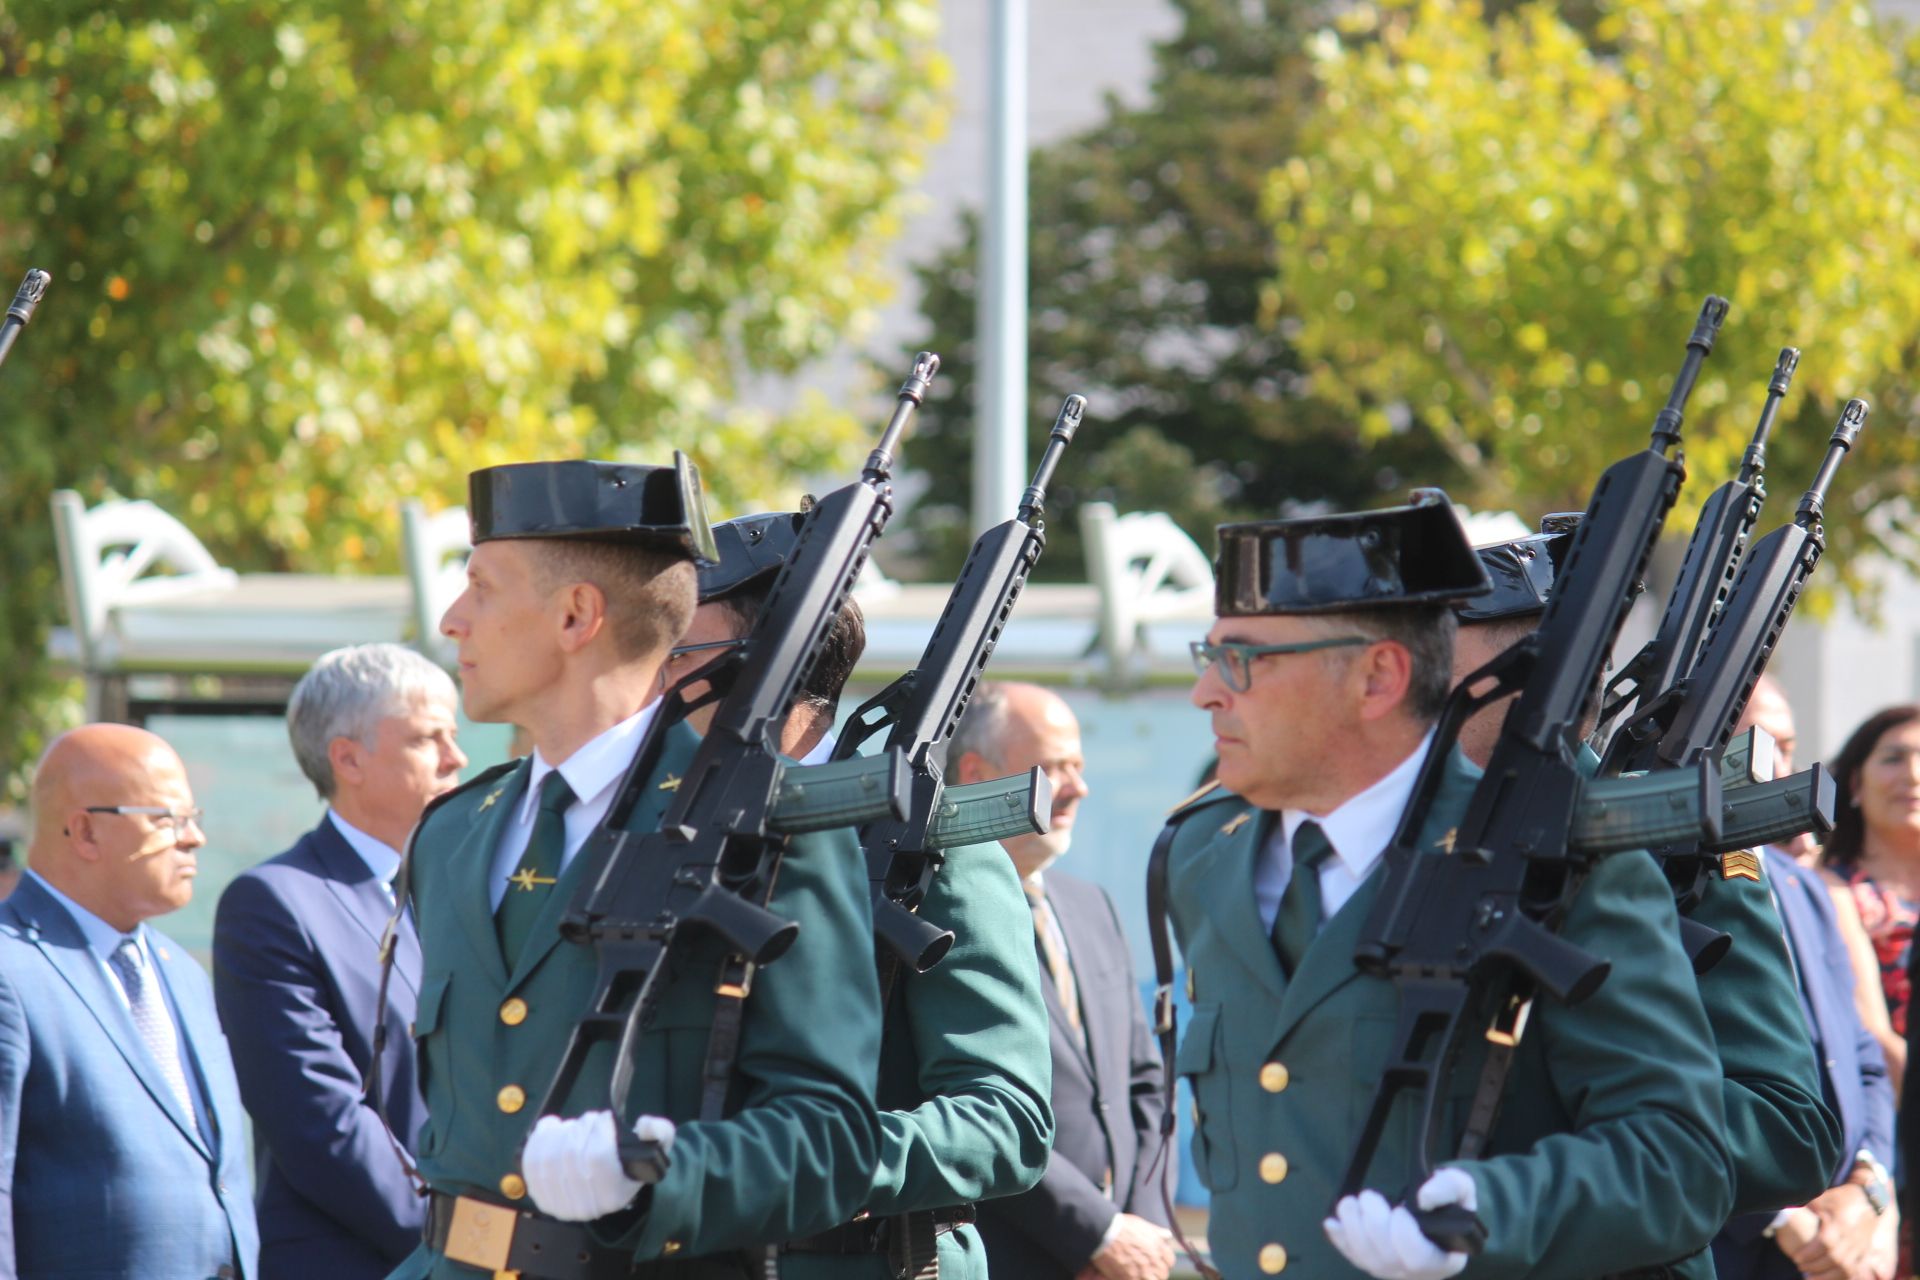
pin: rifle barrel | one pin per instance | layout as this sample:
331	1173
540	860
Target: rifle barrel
1033	502
20	314
1666	424
1755	460
1845	432
913	394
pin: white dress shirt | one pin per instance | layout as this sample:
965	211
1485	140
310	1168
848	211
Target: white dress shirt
822	750
594	773
381	858
1359	831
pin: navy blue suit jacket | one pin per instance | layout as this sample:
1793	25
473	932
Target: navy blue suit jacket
296	970
101	1172
1852	1067
1106	1104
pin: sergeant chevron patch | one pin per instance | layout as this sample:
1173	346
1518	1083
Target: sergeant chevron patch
1741	864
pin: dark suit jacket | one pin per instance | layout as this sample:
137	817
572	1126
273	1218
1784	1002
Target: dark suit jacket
296	971
1106	1104
101	1172
1853	1069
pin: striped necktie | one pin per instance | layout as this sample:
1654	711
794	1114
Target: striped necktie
1053	949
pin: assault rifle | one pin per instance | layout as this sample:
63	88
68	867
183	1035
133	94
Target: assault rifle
1468	936
1706	576
923	706
712	863
1707	705
25	302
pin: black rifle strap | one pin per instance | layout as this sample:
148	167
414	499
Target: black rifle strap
1165	1024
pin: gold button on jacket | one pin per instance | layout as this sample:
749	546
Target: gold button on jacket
513	1186
1273	1259
512	1098
1273	1167
1274	1077
514	1012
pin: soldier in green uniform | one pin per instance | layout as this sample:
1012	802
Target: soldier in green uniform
1785	1142
1323	674
582	577
965	1069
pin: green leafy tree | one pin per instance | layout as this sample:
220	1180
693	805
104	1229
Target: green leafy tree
1149	259
314	257
1502	230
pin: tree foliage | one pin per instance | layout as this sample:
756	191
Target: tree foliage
1149	254
1502	230
314	257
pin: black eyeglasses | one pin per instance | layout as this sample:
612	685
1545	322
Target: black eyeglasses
682	650
1236	659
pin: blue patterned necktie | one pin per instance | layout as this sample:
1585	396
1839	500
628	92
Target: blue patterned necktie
539	870
1299	916
151	1020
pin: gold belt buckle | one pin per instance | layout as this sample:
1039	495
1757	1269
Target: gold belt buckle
481	1234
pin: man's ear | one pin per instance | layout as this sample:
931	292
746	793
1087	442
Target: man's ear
582	611
971	767
1384	672
79	829
347	759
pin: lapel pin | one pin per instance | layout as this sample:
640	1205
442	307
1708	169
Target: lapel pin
1445	842
671	784
491	797
1236	822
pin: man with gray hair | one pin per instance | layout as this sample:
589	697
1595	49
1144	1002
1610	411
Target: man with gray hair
1098	1212
296	968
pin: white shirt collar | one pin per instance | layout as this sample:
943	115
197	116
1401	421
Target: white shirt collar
102	938
1361	828
595	767
822	750
381	858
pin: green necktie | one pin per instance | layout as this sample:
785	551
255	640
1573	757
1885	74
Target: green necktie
539	870
1299	916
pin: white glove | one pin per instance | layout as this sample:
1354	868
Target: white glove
573	1168
1384	1240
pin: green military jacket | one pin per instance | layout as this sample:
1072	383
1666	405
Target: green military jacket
795	1156
1785	1141
966	1069
1610	1151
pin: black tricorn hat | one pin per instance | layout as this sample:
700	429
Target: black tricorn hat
594	502
1412	555
1522	571
752	549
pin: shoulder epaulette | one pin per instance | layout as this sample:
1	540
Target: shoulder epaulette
1208	793
481	779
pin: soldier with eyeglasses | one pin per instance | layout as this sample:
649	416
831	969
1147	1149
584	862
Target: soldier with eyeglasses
1323	674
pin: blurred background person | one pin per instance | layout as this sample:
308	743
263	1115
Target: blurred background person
296	969
1099	1209
1874	848
1852	1229
120	1121
9	869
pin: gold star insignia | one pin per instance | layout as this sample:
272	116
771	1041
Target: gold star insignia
1741	864
671	784
488	802
1240	820
526	879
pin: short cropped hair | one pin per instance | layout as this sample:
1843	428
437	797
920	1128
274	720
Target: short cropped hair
839	653
1425	632
982	725
650	592
348	692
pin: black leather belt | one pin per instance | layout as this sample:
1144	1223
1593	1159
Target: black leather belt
875	1235
495	1238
